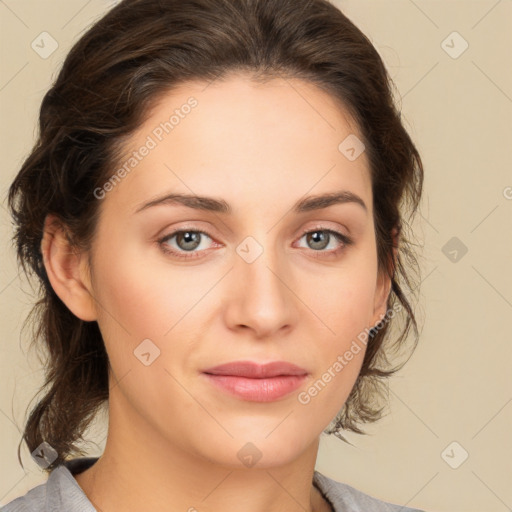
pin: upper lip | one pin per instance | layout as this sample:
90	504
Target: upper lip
255	370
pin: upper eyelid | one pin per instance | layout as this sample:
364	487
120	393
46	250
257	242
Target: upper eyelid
319	225
196	229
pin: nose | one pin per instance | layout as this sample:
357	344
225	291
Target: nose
261	297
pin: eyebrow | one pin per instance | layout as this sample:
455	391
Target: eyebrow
220	206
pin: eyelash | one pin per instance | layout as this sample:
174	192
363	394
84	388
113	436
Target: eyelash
346	241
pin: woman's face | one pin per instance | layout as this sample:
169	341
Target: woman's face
244	282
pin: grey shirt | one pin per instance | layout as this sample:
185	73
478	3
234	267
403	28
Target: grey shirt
61	492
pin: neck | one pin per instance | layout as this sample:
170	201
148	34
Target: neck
161	475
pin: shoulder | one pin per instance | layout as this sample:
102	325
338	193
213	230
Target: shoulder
60	492
34	499
346	498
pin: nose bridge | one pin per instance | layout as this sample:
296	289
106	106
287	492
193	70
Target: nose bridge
259	265
261	298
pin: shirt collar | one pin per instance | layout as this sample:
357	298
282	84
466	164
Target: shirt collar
63	491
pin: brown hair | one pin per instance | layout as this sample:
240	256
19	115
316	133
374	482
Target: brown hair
139	51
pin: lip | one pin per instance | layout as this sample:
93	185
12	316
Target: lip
256	382
253	370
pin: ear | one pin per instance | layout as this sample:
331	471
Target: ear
67	270
384	284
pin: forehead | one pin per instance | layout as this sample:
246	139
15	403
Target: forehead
239	139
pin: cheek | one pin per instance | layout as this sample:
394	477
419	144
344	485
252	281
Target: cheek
146	296
140	302
344	303
344	300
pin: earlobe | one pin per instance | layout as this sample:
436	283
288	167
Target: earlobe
381	299
384	284
66	270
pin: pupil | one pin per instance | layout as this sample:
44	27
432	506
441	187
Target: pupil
317	237
190	238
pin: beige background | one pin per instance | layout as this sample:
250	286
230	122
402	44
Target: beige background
458	385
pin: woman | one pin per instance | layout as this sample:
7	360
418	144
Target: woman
213	211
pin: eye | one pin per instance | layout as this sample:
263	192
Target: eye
191	243
319	239
185	241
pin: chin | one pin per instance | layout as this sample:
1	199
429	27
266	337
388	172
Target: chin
255	450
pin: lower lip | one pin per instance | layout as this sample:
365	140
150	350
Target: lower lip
257	390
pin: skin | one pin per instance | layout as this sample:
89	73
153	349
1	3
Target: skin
173	438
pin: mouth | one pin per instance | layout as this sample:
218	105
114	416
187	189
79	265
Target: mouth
256	382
